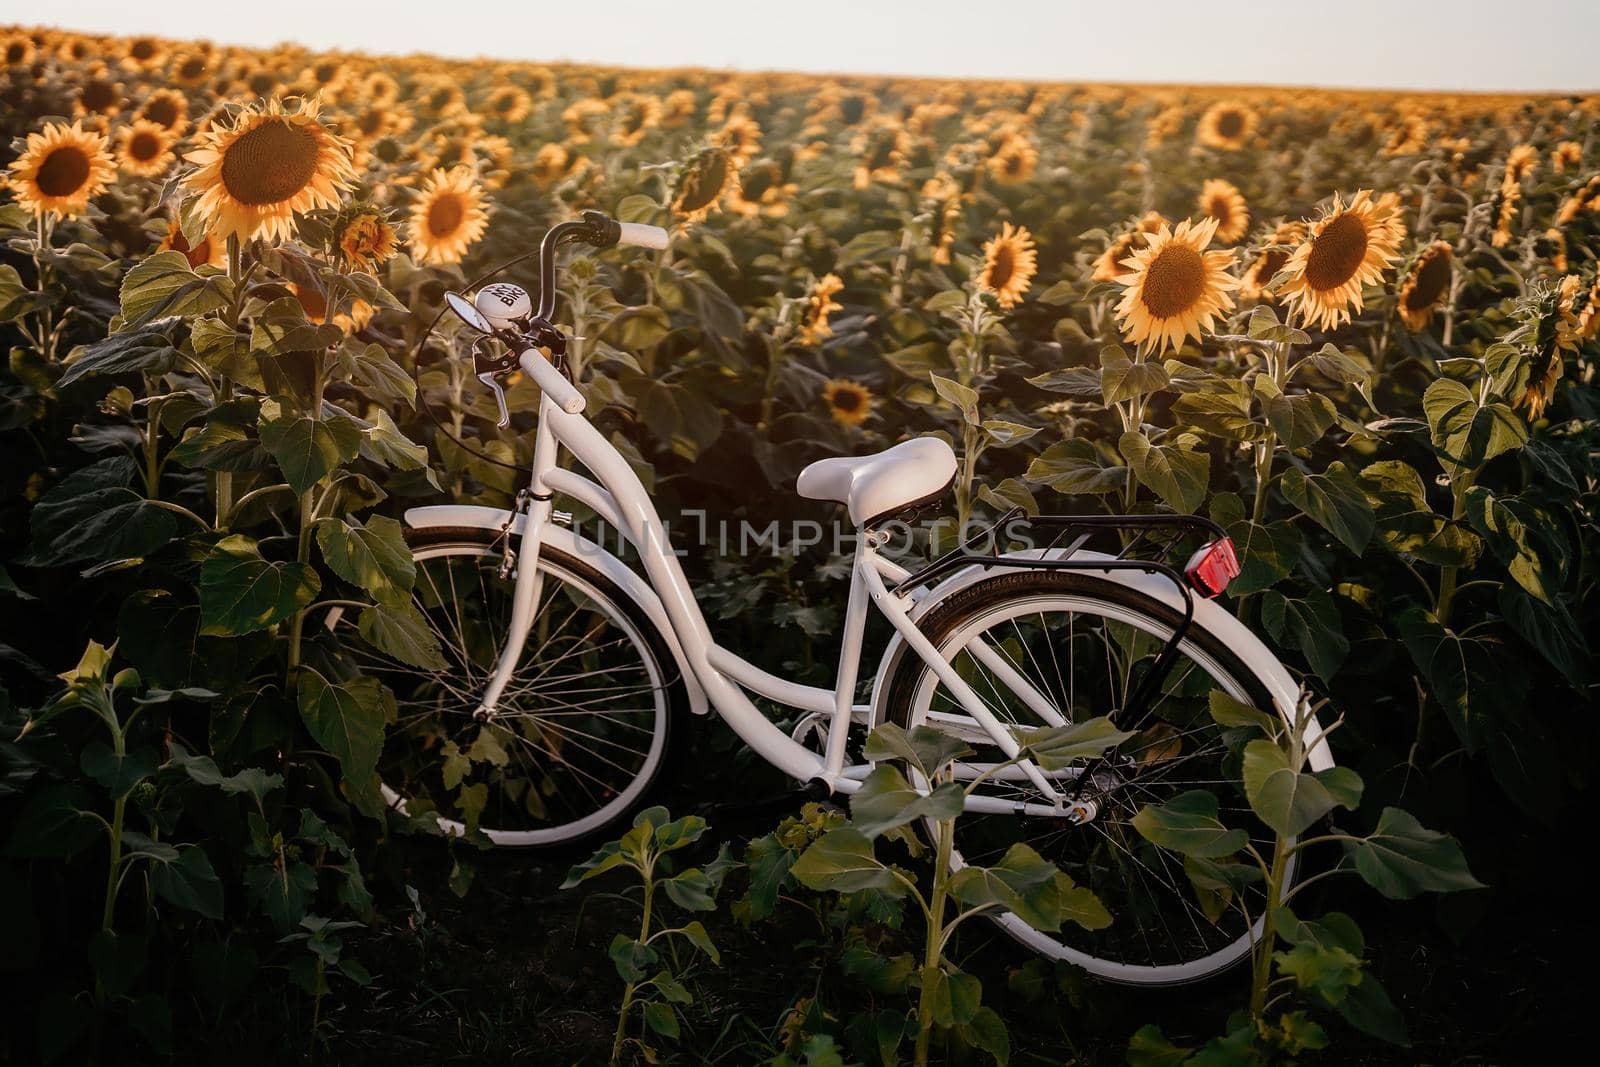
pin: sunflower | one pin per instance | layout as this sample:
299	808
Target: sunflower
261	82
1347	248
208	251
1388	206
327	77
678	108
1566	154
552	162
450	144
16	50
1151	222
77	48
489	154
315	304
1274	254
253	177
1009	263
439	97
741	136
725	103
708	177
852	107
764	190
146	149
1559	330
1521	161
1409	137
945	212
144	53
509	103
1227	125
381	118
1014	161
1426	285
634	115
1587	196
448	216
1555	239
880	152
190	69
924	120
1221	200
1175	289
848	402
1589	315
1505	216
168	109
583	119
365	239
99	93
540	81
1163	125
60	169
819	305
1108	265
378	88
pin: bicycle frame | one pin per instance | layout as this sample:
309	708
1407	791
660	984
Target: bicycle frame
617	496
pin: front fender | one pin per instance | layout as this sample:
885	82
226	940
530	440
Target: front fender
1208	614
560	537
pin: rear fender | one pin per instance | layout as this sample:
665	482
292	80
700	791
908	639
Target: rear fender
1207	613
574	544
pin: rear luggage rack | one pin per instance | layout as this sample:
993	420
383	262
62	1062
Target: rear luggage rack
1147	543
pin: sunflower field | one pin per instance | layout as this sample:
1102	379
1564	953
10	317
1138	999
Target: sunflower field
1357	330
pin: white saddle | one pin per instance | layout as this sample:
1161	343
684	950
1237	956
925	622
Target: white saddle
885	483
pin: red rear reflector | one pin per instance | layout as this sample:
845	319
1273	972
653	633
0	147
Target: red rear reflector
1211	568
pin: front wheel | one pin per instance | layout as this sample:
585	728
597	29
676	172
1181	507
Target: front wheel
1084	643
583	726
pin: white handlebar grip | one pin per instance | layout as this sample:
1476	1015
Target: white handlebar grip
561	392
636	233
566	396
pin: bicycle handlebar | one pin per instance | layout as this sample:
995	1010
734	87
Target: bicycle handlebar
642	236
502	311
551	382
595	228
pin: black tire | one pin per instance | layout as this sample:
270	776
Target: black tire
558	562
968	606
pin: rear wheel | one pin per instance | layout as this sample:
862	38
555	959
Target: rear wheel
1084	643
582	729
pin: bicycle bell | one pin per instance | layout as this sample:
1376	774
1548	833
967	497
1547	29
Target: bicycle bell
504	304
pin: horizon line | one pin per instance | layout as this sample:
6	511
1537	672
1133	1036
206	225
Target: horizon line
486	58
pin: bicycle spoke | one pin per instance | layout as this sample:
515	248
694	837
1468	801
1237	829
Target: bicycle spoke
579	720
1161	918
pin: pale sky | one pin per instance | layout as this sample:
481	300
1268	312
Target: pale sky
1420	44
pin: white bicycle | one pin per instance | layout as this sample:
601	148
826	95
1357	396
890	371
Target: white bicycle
568	668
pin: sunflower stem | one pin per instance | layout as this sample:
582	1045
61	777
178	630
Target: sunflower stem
1450	310
44	231
932	954
1444	603
308	517
222	481
152	442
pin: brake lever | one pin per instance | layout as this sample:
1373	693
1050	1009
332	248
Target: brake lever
533	333
493	385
